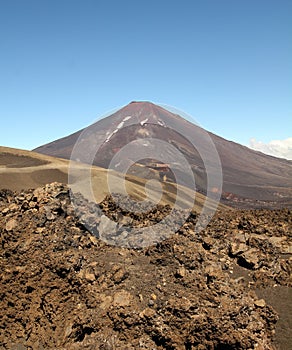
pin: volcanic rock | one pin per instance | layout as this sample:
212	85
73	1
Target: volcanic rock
62	287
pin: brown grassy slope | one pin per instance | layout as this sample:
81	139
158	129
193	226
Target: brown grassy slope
20	170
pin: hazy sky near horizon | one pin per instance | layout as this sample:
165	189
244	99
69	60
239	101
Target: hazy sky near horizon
228	63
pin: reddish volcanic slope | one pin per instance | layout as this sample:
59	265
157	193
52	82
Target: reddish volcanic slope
250	178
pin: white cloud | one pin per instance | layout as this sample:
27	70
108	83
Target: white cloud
277	148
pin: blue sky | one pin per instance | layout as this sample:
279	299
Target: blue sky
63	63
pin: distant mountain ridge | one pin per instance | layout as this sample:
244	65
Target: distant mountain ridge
250	178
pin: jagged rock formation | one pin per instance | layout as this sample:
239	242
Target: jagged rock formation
64	288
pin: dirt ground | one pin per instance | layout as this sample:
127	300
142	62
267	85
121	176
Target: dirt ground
226	287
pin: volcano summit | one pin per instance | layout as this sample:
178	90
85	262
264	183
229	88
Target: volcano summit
250	179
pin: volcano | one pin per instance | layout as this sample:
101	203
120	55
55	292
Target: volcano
151	141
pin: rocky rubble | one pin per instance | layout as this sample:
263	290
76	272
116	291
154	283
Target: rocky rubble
64	288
